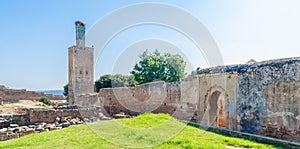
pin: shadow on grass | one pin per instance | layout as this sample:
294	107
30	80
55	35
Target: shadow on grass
276	143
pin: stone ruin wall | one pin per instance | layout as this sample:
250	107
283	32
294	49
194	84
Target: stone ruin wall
45	115
260	98
14	95
157	97
42	119
267	97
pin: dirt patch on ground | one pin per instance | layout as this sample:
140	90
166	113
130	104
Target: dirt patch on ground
18	108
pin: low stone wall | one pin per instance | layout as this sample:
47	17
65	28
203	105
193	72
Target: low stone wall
32	116
49	115
39	120
20	119
15	95
15	130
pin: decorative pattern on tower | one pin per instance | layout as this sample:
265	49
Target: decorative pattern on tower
81	67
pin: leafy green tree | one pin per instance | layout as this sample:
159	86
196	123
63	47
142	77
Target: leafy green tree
194	72
103	82
118	80
66	90
154	66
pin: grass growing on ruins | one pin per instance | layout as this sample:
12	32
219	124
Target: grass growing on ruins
146	130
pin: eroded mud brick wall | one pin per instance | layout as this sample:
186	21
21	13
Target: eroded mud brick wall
157	97
140	99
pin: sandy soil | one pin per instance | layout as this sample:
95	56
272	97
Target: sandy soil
16	108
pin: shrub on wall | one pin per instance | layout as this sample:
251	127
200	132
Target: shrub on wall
66	90
117	80
45	100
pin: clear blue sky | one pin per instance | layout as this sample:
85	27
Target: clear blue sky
35	35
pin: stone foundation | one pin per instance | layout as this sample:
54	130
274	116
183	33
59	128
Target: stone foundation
40	120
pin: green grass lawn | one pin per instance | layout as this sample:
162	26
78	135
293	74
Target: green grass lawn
146	130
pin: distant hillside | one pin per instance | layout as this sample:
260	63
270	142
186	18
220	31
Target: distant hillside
53	92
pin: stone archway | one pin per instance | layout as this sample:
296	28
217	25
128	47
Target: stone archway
215	107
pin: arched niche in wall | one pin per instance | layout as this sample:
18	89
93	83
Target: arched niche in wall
214	106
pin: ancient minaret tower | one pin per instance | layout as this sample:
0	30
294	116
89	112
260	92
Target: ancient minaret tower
81	66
